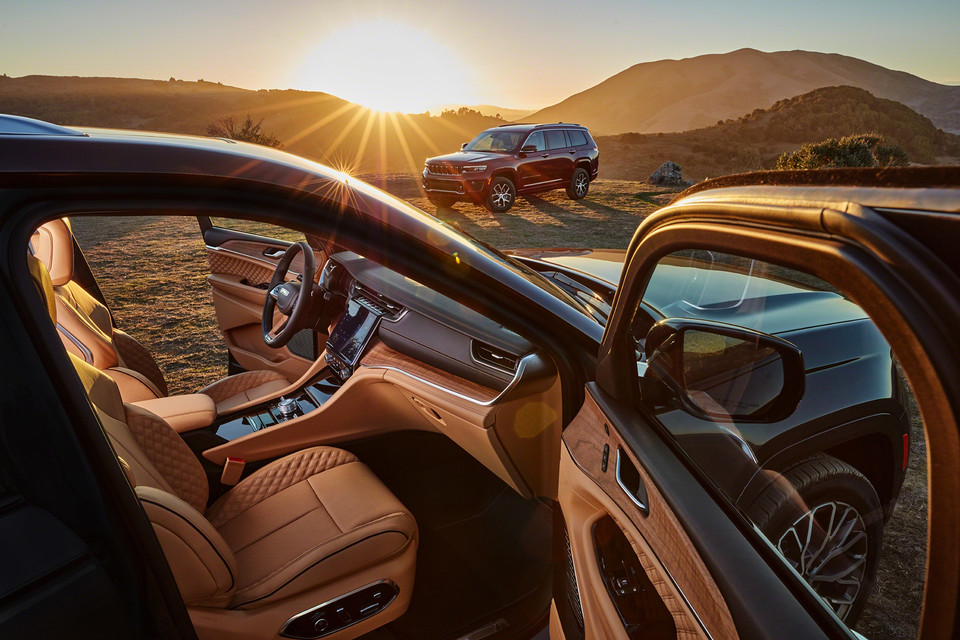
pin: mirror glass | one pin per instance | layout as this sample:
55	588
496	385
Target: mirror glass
725	376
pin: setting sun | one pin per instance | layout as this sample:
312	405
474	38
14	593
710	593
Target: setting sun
387	66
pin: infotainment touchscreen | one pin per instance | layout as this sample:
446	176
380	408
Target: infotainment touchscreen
352	332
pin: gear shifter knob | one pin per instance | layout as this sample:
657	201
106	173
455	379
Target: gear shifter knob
287	408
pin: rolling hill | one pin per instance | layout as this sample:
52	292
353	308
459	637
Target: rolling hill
679	95
755	140
313	124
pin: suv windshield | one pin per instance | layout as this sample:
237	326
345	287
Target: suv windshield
495	141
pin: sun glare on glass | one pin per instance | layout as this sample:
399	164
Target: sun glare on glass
387	66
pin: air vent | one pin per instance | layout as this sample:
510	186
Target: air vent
493	357
374	301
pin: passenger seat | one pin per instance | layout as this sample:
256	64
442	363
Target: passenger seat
86	330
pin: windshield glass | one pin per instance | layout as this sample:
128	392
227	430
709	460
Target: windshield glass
495	141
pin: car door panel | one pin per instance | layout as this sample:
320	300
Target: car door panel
240	270
589	491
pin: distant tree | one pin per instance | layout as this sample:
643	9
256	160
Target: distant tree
861	150
247	131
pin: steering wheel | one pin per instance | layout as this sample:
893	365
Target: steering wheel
292	299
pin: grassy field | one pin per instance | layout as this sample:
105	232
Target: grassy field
153	272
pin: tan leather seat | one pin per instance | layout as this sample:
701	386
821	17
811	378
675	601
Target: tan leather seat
87	331
295	534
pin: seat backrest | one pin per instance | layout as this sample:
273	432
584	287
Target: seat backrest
85	324
166	476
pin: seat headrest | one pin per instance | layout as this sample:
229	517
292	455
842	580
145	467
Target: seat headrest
53	244
42	281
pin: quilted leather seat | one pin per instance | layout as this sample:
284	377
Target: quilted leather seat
294	534
86	330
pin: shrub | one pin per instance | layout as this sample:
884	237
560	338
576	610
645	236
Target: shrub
861	150
247	131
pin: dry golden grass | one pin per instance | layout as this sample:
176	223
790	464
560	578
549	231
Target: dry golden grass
153	270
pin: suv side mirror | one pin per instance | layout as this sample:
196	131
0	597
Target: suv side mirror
464	145
722	372
529	148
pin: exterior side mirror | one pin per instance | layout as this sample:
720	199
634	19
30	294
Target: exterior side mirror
722	372
464	145
529	148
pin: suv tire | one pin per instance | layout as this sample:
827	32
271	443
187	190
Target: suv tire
821	494
500	195
579	184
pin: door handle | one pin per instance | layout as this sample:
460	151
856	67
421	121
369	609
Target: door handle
546	155
273	252
571	152
631	482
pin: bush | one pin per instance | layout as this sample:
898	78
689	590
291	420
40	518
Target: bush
247	131
861	150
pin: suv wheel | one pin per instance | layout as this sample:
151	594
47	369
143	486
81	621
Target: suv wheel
441	201
828	524
500	195
579	184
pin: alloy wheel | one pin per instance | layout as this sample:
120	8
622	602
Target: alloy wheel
501	196
580	185
828	546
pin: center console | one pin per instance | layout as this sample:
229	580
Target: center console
281	409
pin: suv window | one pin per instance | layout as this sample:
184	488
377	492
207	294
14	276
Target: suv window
536	139
556	139
577	139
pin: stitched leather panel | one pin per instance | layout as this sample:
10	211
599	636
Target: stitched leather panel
135	356
232	385
170	455
274	478
254	273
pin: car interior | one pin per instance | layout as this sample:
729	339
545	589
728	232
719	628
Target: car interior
382	460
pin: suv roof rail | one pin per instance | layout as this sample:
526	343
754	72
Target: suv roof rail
21	126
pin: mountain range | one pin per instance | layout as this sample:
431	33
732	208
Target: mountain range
679	95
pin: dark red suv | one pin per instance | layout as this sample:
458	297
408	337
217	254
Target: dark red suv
514	159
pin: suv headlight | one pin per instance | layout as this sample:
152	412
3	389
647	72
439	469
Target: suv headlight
474	167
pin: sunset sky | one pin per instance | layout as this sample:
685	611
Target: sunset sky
415	55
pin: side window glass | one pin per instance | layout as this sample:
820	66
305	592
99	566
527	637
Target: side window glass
556	139
577	139
789	400
536	140
263	229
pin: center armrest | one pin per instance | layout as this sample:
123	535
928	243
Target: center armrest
183	413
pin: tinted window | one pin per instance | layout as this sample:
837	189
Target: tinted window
536	139
577	139
556	139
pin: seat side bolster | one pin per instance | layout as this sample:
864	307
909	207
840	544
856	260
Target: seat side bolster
202	563
134	387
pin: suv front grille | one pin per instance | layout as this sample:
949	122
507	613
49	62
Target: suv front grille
442	170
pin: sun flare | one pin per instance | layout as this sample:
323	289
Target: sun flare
387	66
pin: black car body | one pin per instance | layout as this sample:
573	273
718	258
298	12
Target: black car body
532	158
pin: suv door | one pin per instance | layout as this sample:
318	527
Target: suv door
561	155
534	168
655	547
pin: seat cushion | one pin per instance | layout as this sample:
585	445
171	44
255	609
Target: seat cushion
239	389
307	519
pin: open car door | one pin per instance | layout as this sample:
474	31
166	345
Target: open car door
662	486
242	262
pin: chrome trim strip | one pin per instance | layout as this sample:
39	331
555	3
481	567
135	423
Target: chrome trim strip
487	364
510	386
634	499
87	354
340	597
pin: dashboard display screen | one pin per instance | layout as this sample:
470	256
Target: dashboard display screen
352	332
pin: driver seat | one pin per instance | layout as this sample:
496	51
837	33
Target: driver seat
86	329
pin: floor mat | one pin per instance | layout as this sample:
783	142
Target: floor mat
484	550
